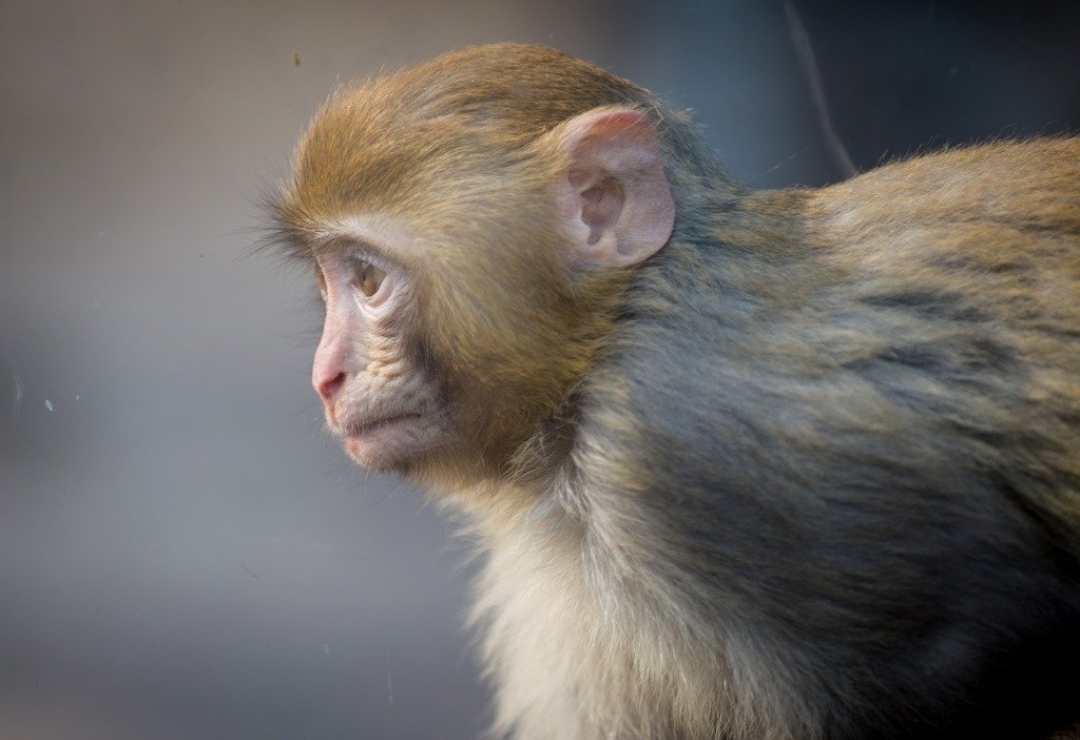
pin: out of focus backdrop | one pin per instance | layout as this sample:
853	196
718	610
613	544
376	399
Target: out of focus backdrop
183	555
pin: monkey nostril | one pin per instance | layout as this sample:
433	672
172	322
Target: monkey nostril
329	386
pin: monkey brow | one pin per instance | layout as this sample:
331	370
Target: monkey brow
350	244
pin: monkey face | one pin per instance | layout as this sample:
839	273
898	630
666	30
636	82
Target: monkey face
377	397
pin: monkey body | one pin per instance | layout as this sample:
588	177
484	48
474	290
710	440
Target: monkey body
806	464
827	466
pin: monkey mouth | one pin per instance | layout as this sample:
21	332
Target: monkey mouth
368	427
383	443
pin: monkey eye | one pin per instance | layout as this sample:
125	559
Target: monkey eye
367	278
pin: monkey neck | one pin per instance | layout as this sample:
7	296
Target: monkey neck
513	475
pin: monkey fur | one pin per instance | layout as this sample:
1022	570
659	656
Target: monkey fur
809	470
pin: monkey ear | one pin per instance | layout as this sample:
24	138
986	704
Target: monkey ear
614	201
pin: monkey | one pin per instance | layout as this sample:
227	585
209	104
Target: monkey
792	464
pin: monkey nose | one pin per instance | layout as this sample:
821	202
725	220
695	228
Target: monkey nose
327	375
329	369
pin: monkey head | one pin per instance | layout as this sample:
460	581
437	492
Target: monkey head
472	229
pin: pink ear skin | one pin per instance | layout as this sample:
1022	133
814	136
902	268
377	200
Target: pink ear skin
614	200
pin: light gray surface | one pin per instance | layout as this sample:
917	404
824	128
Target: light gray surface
182	554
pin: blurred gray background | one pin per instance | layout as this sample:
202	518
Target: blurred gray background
183	555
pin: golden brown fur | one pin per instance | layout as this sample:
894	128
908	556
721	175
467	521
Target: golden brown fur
812	470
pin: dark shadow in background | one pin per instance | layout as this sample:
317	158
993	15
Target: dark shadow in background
182	554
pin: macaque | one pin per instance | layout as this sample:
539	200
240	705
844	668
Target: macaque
800	464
